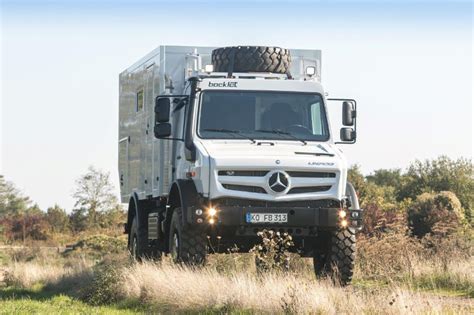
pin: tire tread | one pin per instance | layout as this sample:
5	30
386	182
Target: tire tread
340	260
193	241
252	59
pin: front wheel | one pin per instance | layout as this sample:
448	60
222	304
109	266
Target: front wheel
186	244
337	261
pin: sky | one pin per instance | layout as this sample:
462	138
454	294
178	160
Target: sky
408	64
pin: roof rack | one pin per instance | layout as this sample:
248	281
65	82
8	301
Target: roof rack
244	75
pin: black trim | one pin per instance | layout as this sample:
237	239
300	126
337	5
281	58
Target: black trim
236	202
242	173
313	153
252	189
311	174
188	135
312	189
188	196
297	217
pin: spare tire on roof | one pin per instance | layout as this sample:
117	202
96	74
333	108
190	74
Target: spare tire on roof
251	59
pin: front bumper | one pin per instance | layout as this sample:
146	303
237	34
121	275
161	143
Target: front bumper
310	219
302	217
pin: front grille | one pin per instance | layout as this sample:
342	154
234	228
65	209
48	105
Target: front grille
265	172
312	174
226	175
235	202
254	189
302	190
242	173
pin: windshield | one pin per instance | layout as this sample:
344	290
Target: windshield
262	115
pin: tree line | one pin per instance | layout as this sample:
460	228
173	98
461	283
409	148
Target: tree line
96	210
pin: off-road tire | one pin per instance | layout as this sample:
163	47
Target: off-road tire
192	241
252	59
338	261
138	242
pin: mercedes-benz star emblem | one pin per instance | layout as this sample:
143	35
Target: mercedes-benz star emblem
278	182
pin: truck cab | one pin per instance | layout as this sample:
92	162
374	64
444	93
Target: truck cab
235	151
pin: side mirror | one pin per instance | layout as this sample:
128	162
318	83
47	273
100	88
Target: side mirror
348	134
348	114
162	130
162	109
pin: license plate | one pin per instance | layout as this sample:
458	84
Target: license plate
266	217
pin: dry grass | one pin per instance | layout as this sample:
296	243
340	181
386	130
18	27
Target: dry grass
391	253
167	287
186	289
26	274
406	278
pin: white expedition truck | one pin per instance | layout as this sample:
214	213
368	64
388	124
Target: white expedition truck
216	144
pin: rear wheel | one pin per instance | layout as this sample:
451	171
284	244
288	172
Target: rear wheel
337	261
138	242
187	244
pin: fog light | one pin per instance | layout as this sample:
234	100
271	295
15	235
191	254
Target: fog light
342	213
354	223
198	211
344	223
199	220
212	212
212	221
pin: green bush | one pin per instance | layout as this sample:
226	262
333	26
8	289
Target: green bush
105	287
438	213
441	174
98	246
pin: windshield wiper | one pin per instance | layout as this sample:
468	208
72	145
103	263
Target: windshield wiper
233	132
279	132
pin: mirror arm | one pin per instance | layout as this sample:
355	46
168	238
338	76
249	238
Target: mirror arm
184	100
345	142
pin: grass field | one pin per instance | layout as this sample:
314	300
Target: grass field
48	282
28	303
